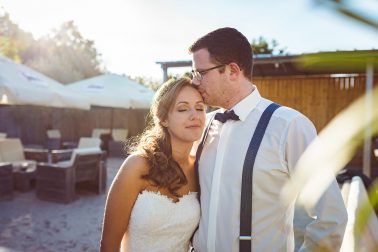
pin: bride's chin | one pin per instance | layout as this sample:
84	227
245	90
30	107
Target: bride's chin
192	139
196	137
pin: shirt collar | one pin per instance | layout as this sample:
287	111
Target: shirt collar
245	106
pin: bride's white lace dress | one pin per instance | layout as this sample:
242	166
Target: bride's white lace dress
157	223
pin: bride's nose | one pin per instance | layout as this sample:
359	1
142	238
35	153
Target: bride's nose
193	114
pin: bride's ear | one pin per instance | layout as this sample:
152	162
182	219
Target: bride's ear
164	123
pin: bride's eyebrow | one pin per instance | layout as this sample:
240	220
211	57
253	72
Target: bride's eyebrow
182	102
185	102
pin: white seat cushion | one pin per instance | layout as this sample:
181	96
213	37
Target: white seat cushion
11	150
96	132
31	164
93	150
53	133
89	142
119	134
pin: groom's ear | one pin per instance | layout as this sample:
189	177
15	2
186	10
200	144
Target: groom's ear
234	71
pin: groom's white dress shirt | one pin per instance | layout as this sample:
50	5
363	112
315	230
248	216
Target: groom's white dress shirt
220	174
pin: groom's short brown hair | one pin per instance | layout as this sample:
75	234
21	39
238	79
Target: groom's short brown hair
226	45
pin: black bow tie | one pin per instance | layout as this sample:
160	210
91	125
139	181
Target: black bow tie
227	115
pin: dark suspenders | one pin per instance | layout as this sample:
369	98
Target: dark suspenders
245	238
245	235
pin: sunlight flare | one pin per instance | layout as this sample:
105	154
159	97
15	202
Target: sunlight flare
330	152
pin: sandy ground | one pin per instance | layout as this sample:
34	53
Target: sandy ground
30	224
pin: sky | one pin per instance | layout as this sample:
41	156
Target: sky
132	35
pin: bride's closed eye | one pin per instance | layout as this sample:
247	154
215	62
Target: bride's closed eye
182	109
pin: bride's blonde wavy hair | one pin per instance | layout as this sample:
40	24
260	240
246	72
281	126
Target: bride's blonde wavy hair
154	144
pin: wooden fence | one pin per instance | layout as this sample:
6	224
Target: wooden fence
320	98
31	122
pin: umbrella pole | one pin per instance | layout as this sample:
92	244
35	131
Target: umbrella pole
111	121
366	165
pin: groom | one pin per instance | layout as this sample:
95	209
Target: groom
222	72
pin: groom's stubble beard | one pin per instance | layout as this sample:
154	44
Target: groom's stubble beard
208	99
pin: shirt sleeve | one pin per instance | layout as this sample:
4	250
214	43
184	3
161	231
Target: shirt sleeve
301	132
326	229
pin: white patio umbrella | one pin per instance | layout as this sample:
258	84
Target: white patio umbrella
20	85
115	91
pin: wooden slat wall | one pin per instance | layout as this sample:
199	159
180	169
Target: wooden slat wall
319	98
30	122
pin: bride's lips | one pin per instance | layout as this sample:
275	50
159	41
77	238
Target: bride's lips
194	126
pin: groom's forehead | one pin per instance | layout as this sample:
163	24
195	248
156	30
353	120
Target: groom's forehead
200	57
200	66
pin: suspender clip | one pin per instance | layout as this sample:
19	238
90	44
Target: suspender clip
245	238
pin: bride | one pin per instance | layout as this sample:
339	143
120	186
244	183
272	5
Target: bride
152	204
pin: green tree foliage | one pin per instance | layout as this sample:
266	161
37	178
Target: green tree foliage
262	46
64	55
14	42
8	48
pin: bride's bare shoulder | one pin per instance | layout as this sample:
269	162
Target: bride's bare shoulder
135	163
133	168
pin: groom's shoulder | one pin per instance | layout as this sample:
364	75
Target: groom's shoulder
285	117
284	113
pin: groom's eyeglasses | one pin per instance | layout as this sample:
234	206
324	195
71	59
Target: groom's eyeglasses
199	74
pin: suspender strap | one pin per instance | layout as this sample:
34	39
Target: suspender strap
245	239
199	153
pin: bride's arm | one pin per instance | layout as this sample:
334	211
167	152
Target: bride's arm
121	198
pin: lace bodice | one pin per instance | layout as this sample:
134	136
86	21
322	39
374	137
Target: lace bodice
157	223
